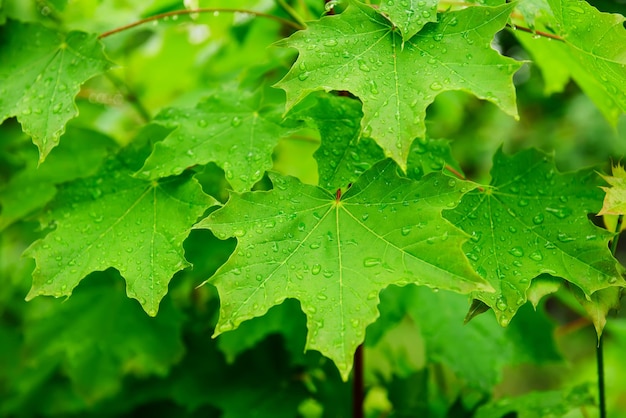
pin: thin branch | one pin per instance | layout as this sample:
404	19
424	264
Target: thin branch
129	96
159	16
291	12
536	32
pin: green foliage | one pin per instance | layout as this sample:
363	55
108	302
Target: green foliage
42	77
282	193
359	51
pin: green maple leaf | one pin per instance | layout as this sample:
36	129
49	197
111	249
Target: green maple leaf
359	51
343	155
593	52
236	130
533	220
410	16
41	73
615	199
334	256
115	220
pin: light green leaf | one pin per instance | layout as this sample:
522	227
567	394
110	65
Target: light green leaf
599	305
34	186
533	220
343	155
359	51
115	220
41	74
593	53
235	129
336	255
410	16
542	286
615	199
550	404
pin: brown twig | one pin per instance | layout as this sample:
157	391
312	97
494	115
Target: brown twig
200	10
536	32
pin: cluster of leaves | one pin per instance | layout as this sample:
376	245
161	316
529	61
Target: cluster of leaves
300	189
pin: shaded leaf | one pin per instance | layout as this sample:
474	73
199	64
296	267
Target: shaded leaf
236	130
549	404
100	336
533	220
343	155
41	74
34	186
359	51
115	220
428	155
335	255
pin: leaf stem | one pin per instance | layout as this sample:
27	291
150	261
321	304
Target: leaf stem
159	16
600	365
536	32
357	383
599	347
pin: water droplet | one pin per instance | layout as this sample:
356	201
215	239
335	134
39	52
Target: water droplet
451	182
202	123
365	216
516	251
523	202
57	108
536	255
239	232
311	309
235	122
355	323
438	37
538	219
303	76
363	66
371	262
436	86
330	42
316	269
564	237
314	246
406	230
322	296
560	213
504	321
501	304
373	87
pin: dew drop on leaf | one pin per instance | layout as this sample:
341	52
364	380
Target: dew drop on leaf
501	304
536	255
516	251
538	219
436	86
371	262
316	269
